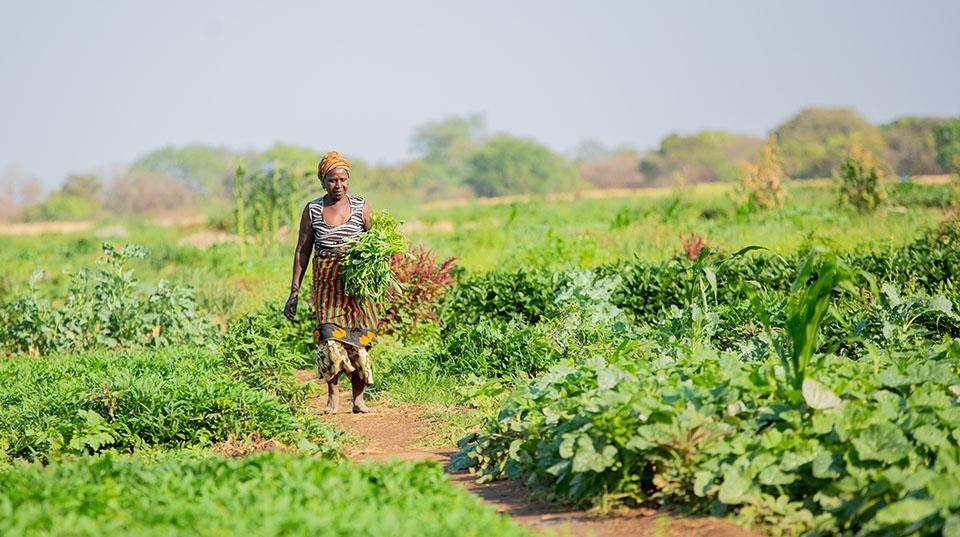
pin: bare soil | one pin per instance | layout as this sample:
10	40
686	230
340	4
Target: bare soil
405	432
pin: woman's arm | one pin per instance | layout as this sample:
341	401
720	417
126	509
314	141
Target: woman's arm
367	211
301	257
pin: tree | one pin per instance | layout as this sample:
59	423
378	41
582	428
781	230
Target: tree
702	157
444	147
138	191
77	198
617	169
507	165
815	141
947	138
84	186
203	169
294	157
911	145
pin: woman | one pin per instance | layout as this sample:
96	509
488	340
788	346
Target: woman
346	325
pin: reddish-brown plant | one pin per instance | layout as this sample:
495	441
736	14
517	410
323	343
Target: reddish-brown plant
692	245
424	282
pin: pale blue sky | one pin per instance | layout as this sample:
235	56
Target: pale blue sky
89	84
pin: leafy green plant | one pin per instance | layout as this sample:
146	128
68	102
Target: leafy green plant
686	425
262	494
266	198
88	402
526	295
805	310
366	268
104	308
490	348
859	179
263	350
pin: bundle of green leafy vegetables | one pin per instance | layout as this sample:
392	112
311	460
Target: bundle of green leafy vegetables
365	267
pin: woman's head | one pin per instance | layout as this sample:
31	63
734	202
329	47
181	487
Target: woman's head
334	172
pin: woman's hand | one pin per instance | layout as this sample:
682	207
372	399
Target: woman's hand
290	309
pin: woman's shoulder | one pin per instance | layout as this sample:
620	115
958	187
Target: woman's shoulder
356	200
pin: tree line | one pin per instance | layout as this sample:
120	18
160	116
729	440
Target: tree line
458	157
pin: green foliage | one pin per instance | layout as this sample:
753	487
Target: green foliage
911	145
508	166
203	169
444	147
263	494
948	145
702	157
89	402
365	267
104	308
859	179
911	194
264	350
815	141
494	349
266	198
291	157
524	295
77	199
687	425
58	206
805	310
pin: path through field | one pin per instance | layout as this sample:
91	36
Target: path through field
407	431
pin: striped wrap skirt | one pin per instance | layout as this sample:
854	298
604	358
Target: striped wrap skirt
347	319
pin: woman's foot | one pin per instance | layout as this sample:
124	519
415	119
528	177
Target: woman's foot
359	407
358	385
333	395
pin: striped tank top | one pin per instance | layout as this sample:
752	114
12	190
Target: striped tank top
327	237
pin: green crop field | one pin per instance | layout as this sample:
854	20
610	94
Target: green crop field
794	369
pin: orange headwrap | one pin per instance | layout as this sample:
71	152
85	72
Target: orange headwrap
330	161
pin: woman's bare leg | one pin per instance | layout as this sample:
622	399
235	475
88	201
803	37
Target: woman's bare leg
333	396
358	385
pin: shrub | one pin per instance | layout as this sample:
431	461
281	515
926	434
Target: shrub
89	402
705	430
525	295
264	350
494	349
266	198
104	308
424	282
859	179
760	184
264	494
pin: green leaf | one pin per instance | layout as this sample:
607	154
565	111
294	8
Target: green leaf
588	459
951	528
882	442
931	436
734	487
702	480
818	397
823	466
906	511
942	305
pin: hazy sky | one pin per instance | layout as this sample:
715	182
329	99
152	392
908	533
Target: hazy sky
88	84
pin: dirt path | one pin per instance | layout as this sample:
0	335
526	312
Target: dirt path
405	431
